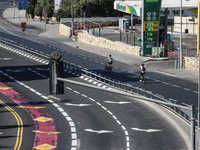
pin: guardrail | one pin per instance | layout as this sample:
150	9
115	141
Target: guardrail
112	83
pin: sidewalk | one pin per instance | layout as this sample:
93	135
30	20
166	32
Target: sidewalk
52	31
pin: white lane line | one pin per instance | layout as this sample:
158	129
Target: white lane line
76	92
195	92
176	86
166	83
187	89
83	95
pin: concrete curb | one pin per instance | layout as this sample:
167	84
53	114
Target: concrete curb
156	59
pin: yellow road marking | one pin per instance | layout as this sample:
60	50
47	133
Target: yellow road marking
20	126
30	107
5	88
51	132
43	119
44	147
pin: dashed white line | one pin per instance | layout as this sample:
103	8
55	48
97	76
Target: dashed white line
176	86
186	89
76	92
83	95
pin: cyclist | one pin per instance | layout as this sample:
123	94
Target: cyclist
110	60
143	70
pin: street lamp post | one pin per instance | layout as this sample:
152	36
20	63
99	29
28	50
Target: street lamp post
181	59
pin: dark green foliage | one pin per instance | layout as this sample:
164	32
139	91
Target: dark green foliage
93	8
33	2
30	11
63	13
48	10
38	11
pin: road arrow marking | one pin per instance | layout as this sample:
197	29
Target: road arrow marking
79	105
99	132
116	102
146	130
5	58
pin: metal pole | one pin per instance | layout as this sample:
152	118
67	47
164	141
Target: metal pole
99	31
45	24
127	37
120	35
23	37
181	61
134	40
54	77
132	22
72	15
192	119
14	9
165	47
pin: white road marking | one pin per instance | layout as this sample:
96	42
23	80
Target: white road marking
176	86
78	105
186	89
5	58
121	102
50	96
99	132
146	130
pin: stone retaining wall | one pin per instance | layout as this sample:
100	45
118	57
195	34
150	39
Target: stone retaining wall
108	44
86	38
65	30
192	63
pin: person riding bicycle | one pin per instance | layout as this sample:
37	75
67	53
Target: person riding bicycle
110	60
143	70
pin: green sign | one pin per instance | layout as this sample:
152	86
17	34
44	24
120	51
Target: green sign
151	14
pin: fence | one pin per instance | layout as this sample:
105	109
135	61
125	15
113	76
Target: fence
128	88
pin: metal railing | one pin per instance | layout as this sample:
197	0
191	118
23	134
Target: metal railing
112	83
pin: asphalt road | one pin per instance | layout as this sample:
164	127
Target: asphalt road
100	122
95	127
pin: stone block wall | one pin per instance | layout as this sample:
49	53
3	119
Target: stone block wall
108	44
192	63
65	30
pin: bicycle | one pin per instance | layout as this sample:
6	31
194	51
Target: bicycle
143	78
108	68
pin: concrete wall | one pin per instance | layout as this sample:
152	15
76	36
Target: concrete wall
192	63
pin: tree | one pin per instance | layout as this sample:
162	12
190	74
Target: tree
48	10
63	13
30	11
38	11
94	8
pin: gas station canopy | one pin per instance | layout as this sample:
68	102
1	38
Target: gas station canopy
134	7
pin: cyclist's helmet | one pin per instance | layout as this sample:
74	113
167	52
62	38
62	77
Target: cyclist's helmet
109	55
142	64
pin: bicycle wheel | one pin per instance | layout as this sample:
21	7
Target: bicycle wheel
144	79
